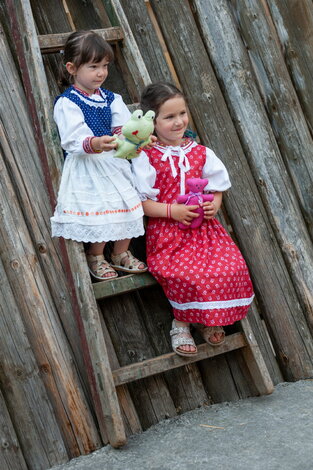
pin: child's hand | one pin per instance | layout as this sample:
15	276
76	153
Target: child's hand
153	140
183	213
105	143
151	144
209	209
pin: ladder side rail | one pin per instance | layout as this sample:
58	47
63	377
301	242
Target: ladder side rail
94	349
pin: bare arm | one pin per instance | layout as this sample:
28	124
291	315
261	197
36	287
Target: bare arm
179	212
211	208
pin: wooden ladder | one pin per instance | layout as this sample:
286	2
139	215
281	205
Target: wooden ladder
102	377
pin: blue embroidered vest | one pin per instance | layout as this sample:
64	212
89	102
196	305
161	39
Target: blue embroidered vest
97	114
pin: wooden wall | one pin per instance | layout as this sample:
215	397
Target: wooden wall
246	69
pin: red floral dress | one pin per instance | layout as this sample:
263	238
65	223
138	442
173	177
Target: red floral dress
202	271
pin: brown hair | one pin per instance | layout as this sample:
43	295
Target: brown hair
82	47
155	94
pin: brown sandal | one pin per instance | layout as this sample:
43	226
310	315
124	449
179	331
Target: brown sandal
207	332
127	262
99	268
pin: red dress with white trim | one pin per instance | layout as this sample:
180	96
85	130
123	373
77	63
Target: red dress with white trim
201	270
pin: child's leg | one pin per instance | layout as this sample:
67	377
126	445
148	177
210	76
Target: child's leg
188	348
123	260
95	249
98	266
182	342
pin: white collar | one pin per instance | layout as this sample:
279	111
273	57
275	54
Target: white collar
183	163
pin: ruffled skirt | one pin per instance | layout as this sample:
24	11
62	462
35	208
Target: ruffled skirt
97	201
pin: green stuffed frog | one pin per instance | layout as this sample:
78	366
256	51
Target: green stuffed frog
137	132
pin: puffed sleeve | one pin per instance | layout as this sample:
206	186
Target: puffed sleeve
144	177
71	126
215	171
120	112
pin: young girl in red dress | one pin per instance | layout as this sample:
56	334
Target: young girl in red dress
201	270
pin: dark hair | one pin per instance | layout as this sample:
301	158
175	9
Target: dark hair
155	94
82	47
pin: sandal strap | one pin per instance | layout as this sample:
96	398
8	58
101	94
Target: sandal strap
99	265
181	336
127	260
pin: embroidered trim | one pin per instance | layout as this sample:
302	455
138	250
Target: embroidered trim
90	101
87	145
212	305
115	211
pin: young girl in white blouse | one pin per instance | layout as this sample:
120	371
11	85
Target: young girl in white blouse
201	270
97	201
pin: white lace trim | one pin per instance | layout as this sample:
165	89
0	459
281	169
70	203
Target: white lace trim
212	305
98	233
91	101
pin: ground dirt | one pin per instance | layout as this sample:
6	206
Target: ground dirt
262	433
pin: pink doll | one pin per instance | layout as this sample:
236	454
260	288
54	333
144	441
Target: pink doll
194	197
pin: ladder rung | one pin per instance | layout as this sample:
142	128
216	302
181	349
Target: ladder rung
169	361
55	42
122	285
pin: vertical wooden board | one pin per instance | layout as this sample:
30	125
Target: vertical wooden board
217	380
133	344
294	24
146	39
263	340
84	16
243	203
185	384
130	417
37	309
28	180
105	399
27	401
243	380
282	106
11	456
50	16
95	351
130	50
255	362
89	12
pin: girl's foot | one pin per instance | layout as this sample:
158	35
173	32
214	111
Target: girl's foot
214	335
182	342
99	268
128	263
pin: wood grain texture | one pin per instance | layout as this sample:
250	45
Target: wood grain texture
244	206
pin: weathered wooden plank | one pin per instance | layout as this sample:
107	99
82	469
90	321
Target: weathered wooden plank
170	361
293	137
38	311
263	340
122	285
243	203
88	12
55	42
108	409
294	26
22	385
218	380
130	416
132	344
184	384
131	51
255	361
11	456
146	39
27	236
103	389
